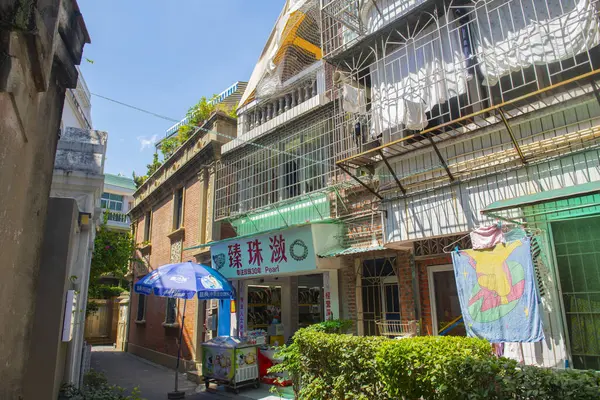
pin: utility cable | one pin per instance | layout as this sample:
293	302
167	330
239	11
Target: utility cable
244	141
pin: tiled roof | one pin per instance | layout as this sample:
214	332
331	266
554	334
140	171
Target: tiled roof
119	181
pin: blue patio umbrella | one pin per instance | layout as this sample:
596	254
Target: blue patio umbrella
184	281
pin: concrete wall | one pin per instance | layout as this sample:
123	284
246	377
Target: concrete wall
33	80
58	254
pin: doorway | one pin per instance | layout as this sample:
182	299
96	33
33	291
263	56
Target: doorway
380	293
443	296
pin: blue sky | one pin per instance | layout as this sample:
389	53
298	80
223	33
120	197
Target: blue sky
162	56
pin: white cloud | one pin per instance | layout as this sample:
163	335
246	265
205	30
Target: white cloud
147	143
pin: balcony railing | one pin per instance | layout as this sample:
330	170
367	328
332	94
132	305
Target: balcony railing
116	216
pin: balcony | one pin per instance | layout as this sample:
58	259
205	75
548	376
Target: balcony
116	219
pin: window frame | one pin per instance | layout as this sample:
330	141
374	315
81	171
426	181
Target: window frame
106	202
142	300
147	226
178	213
175	314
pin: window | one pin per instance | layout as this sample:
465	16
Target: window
141	308
113	202
147	226
171	312
178	209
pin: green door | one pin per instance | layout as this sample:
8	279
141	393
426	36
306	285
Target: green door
577	245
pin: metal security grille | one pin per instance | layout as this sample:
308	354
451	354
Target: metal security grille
437	73
294	161
380	293
577	246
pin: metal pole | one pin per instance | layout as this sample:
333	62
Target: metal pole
179	349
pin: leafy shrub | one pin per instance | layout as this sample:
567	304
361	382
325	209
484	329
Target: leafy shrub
105	291
417	367
96	387
328	366
332	326
504	379
332	366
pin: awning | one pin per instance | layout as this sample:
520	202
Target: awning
542	197
342	251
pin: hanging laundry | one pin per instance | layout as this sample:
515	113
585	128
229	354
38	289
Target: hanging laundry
487	237
531	33
354	100
514	234
498	349
497	294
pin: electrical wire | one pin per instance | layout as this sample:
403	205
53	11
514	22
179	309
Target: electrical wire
233	138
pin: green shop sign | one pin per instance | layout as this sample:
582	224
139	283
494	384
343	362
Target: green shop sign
285	251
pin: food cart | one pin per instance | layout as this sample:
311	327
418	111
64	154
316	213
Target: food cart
230	361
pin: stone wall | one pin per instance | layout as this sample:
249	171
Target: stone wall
37	65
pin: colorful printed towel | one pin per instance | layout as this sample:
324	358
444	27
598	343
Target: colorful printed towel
497	294
487	237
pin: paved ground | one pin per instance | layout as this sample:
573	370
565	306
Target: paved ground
154	381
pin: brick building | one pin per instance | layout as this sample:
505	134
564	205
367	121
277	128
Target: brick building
172	212
408	126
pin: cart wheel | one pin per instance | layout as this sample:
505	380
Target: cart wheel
236	391
256	385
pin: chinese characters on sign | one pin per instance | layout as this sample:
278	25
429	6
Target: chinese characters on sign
235	256
274	253
327	295
254	252
241	316
277	247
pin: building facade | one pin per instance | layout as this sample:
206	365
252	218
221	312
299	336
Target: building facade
44	48
117	200
407	125
172	216
472	113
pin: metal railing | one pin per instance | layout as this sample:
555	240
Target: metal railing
116	216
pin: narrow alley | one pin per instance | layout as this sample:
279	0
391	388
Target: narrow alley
154	381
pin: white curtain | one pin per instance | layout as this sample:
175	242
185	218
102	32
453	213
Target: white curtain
511	35
428	69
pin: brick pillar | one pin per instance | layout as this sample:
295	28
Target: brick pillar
347	293
405	284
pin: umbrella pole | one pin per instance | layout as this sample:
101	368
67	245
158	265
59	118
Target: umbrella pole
179	349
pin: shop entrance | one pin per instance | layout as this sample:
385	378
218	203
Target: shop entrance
577	247
443	296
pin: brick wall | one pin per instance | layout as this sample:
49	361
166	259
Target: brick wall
405	283
347	292
427	324
153	335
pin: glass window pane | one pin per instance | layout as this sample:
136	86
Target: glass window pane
105	195
103	204
117	197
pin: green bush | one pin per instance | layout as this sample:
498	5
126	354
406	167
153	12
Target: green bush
504	379
96	387
332	366
418	367
328	366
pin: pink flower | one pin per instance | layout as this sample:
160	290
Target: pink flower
107	247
